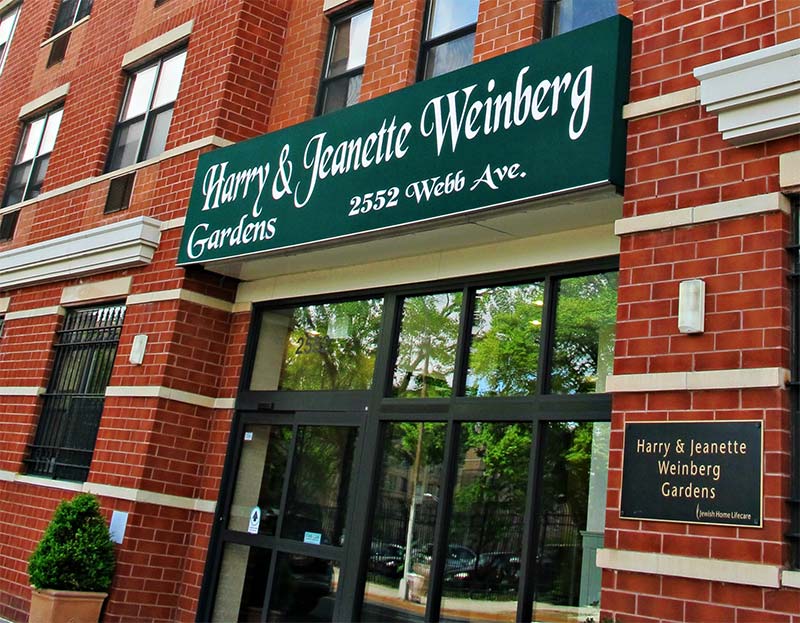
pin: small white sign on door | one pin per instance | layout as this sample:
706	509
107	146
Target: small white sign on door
255	520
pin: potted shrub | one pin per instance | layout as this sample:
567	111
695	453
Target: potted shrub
72	566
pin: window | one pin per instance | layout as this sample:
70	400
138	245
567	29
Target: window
146	112
344	66
30	166
7	23
84	355
571	14
386	446
449	36
70	12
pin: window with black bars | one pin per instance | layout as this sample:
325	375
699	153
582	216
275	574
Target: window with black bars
84	356
794	250
70	12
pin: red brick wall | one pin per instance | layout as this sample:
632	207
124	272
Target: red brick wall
678	159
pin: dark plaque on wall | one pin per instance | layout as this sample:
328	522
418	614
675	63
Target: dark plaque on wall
693	472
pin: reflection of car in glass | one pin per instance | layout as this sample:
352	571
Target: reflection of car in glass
387	559
457	556
300	583
492	572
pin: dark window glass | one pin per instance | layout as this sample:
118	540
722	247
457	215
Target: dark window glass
404	520
8	21
146	112
316	506
506	336
481	571
571	521
449	37
84	355
318	347
583	349
344	67
571	14
30	166
426	349
243	583
303	589
69	12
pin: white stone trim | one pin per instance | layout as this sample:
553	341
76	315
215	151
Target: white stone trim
124	244
790	172
96	291
43	101
21	391
150	497
756	204
111	491
180	294
714	570
167	393
36	312
5	301
744	378
173	223
61	33
332	4
755	95
155	47
790	579
243	306
661	103
208	141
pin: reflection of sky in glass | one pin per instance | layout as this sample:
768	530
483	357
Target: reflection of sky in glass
359	36
573	14
426	352
448	15
503	317
5	25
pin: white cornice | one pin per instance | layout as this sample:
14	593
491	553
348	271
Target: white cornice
756	95
124	244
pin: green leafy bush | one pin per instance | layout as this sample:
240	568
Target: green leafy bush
76	552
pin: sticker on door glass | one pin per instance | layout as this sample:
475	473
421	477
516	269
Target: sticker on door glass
315	538
255	520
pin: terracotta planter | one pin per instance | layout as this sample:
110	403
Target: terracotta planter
52	606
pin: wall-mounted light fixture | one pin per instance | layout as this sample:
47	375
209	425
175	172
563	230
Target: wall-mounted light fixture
137	349
692	306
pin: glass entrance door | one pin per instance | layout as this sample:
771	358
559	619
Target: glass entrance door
286	521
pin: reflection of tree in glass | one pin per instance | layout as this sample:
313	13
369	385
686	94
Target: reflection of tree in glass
504	357
426	350
320	478
584	334
489	501
332	346
564	488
